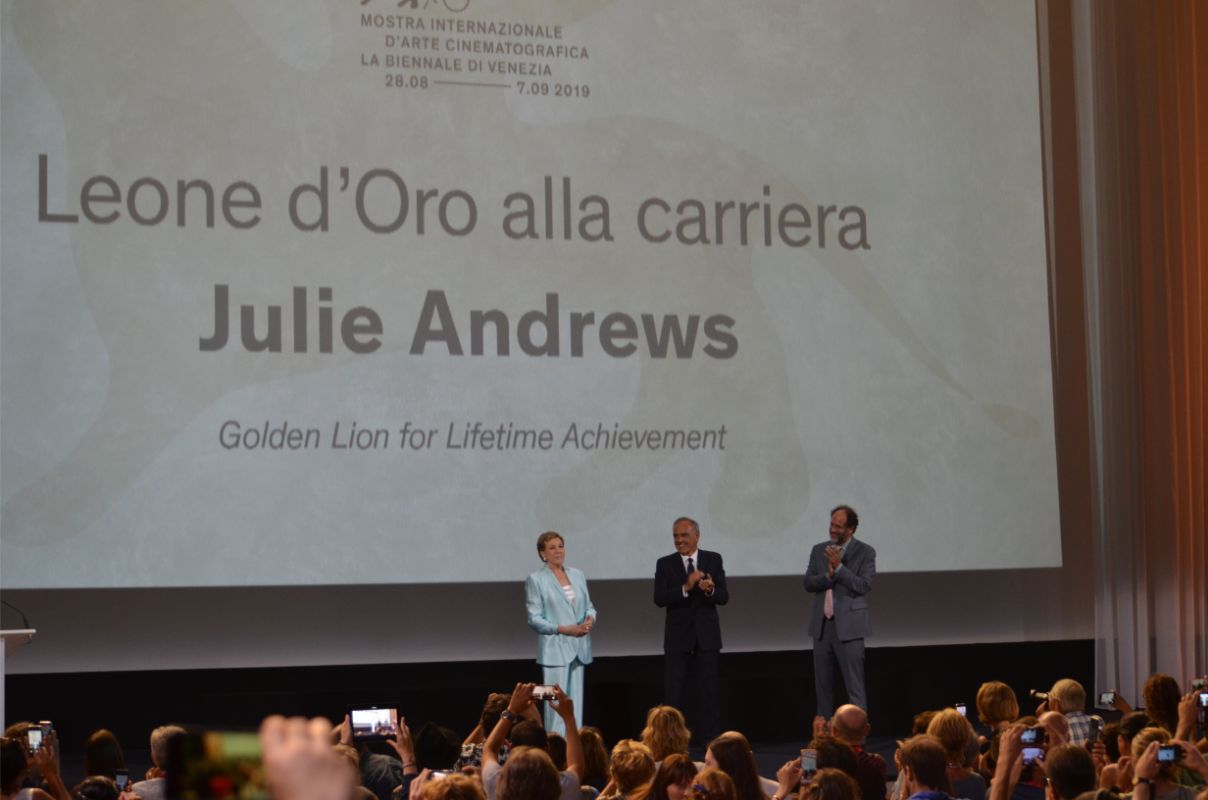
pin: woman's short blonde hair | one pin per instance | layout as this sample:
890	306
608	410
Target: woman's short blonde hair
954	732
1142	740
632	765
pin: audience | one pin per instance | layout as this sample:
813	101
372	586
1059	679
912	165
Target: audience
518	760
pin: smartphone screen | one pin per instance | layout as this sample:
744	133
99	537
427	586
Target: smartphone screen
1031	755
121	779
809	761
961	708
543	693
34	737
374	723
1107	699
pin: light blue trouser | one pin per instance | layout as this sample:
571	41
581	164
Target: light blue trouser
570	678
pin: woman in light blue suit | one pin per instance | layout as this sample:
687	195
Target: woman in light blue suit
560	611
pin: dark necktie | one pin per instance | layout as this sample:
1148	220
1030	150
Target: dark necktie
691	566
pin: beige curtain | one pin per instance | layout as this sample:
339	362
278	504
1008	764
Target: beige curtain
1140	91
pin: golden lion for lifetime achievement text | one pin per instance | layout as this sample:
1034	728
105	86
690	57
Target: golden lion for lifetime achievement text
467	435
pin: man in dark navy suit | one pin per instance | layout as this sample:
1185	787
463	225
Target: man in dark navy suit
691	583
840	576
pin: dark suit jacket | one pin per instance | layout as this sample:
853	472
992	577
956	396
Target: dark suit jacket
850	584
692	620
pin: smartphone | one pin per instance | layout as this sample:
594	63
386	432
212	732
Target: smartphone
1096	728
809	761
1107	699
438	775
1031	755
543	692
33	737
121	778
1033	736
1170	754
373	724
1203	700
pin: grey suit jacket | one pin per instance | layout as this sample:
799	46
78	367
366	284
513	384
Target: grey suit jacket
852	581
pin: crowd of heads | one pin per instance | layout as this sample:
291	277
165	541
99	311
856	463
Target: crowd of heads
1058	753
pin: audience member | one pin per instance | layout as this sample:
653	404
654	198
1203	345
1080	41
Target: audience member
1069	698
732	754
632	770
955	733
452	787
529	772
713	784
95	787
102	755
1156	780
595	758
528	775
666	732
14	766
555	745
830	784
924	767
1069	771
673	781
850	726
471	748
1161	695
163	739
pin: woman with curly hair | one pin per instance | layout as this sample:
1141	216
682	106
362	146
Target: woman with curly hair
666	732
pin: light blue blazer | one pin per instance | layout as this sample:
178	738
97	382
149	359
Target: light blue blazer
548	608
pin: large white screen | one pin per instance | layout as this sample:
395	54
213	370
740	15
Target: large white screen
842	201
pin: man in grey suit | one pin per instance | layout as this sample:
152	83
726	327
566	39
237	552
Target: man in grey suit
840	574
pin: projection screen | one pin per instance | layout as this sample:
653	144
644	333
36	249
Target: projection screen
375	292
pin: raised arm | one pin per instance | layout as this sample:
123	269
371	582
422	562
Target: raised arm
522	699
574	745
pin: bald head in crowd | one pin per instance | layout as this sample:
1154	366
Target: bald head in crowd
850	724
